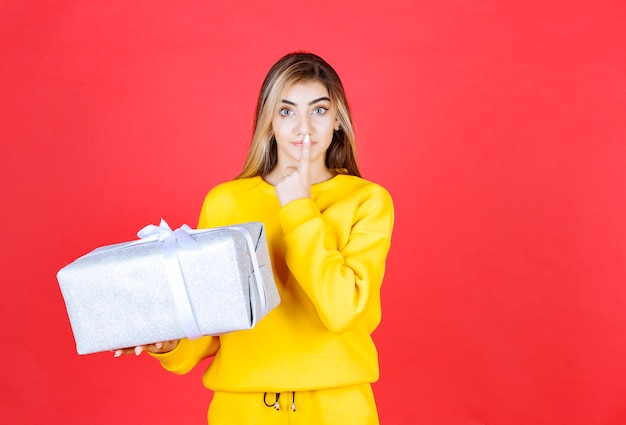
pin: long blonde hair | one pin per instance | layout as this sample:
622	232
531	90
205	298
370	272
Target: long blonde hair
291	69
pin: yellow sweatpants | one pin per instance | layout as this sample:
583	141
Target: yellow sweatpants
337	406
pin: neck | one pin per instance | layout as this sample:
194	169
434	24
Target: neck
322	176
280	172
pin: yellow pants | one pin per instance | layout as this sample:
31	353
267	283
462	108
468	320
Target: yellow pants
337	406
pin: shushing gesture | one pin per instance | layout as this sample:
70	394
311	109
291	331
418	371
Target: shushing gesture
296	184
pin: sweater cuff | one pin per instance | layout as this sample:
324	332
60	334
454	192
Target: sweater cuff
297	212
172	359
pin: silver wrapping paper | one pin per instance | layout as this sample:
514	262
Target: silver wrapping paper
120	296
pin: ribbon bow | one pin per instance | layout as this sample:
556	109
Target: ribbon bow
163	233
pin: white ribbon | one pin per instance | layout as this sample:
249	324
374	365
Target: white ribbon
182	236
163	233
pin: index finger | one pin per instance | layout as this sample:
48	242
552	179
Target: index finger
305	155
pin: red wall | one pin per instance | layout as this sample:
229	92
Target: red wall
498	126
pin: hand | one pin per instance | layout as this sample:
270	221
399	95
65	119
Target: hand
159	347
297	183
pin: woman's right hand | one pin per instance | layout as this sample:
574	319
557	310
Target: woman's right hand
159	347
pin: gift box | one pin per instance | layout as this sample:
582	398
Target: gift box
169	285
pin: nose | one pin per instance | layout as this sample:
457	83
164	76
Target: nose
303	125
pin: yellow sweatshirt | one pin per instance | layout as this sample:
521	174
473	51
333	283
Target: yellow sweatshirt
328	255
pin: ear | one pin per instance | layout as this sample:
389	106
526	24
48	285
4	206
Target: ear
337	124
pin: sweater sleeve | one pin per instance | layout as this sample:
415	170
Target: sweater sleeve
187	354
342	282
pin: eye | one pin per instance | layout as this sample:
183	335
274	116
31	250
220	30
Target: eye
284	112
320	110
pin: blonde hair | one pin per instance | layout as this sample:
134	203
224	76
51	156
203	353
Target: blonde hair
295	68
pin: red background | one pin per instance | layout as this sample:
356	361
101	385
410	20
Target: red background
498	127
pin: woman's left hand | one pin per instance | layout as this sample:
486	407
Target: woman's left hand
297	183
159	347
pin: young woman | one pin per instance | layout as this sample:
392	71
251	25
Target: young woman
311	360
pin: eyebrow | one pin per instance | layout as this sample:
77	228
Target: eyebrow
289	102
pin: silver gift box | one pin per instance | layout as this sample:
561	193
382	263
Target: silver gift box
169	285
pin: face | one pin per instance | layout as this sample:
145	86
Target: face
304	108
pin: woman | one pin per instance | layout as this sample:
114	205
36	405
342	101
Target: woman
311	360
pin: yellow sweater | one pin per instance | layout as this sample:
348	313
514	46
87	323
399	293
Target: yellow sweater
328	255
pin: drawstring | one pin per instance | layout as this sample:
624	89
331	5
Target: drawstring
276	404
